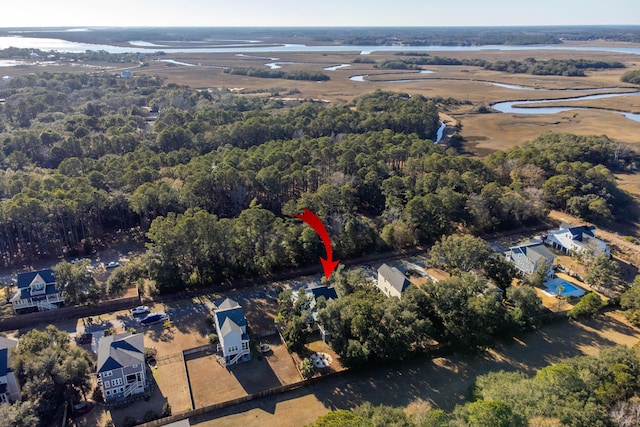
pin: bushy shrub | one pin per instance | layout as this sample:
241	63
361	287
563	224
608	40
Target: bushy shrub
589	306
213	338
307	369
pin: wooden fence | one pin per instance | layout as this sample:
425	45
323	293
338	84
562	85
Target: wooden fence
65	313
218	406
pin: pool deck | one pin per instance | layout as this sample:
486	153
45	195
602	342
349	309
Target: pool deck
555	304
583	285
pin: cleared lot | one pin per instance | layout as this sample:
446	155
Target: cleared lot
212	383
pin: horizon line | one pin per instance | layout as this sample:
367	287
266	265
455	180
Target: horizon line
315	26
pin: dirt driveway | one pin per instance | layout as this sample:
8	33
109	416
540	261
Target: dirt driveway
442	381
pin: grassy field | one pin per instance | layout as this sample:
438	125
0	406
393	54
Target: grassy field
484	132
443	381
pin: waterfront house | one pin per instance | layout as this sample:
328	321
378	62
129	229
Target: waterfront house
121	366
391	282
36	291
231	328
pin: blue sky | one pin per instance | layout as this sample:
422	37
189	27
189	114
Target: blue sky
33	13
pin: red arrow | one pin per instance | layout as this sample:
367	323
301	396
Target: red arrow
316	223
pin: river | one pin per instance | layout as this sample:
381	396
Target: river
47	44
254	46
515	106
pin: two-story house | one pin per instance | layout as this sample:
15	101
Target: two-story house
528	256
391	281
9	389
313	293
121	366
231	328
581	239
36	292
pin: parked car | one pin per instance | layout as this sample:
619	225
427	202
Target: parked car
84	338
113	264
141	309
152	318
83	407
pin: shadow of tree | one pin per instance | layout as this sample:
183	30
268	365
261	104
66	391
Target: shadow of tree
139	408
446	381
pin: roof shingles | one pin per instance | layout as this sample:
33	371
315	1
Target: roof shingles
118	351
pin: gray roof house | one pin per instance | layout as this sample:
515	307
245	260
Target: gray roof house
121	366
568	238
9	388
36	291
528	256
231	328
391	282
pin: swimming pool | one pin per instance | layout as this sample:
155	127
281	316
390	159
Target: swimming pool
567	290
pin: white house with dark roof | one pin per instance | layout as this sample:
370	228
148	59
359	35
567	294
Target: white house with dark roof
568	238
231	328
36	291
9	388
121	366
391	281
313	293
528	256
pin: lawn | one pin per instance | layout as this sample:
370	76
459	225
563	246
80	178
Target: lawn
443	381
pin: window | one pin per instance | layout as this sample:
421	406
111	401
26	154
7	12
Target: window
121	389
116	382
135	366
107	384
108	393
107	374
245	345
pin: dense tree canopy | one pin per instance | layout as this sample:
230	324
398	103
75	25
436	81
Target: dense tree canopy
84	155
50	372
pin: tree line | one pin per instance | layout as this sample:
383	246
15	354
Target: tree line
551	67
316	76
579	391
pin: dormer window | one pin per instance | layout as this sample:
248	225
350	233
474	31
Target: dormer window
38	288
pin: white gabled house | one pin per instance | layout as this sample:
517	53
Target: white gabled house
36	292
9	388
528	256
231	328
121	366
581	239
391	282
313	292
